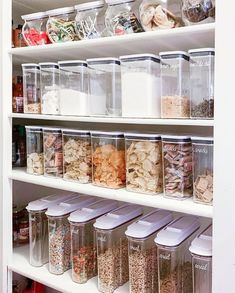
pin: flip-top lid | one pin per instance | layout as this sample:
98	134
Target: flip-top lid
202	244
139	57
32	16
174	54
89	5
59	11
142	136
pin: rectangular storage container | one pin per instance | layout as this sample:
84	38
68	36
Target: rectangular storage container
112	247
141	87
174	259
143	163
83	240
175	87
108	159
143	271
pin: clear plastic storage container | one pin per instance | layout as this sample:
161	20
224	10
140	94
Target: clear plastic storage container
203	148
112	247
140	76
59	232
89	20
143	163
83	240
175	84
177	166
105	87
61	25
202	83
174	259
108	159
201	250
73	88
38	228
53	153
143	271
34	146
31	88
77	155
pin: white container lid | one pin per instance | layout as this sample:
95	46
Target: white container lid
70	63
106	60
49	64
113	2
202	51
149	224
59	11
89	5
143	136
202	139
174	54
177	231
35	65
34	127
140	57
109	134
118	217
93	211
68	206
32	16
176	138
202	244
51	129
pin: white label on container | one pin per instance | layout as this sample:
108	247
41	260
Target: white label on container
102	238
201	267
165	256
135	248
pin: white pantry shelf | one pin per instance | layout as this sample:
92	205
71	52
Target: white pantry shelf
183	206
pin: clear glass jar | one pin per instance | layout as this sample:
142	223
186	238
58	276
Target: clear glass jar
175	87
203	169
77	155
61	25
202	83
177	166
108	159
31	88
160	14
73	88
49	80
34	147
105	87
143	163
140	76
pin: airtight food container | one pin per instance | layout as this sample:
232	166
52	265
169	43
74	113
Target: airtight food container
143	270
112	246
83	240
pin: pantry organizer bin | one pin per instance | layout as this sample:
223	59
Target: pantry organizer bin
59	232
73	88
112	246
108	159
174	259
83	240
175	87
140	76
203	169
201	250
143	163
105	87
143	270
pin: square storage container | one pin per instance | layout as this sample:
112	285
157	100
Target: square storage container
143	270
49	81
108	159
203	149
201	250
31	88
174	259
140	76
143	163
59	232
83	240
77	155
175	87
177	166
112	247
105	87
202	83
73	88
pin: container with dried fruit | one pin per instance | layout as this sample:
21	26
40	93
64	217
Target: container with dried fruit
143	272
201	250
31	88
112	246
59	232
143	163
84	255
202	83
174	259
177	166
203	169
108	159
175	87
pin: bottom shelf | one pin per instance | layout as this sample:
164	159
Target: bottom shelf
20	264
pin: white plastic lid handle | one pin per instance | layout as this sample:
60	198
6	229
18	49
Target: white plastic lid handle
202	244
